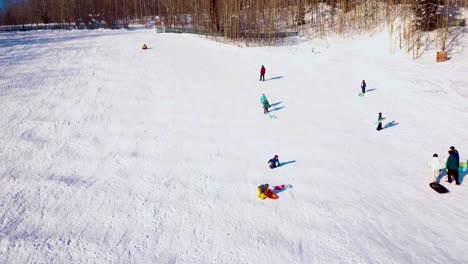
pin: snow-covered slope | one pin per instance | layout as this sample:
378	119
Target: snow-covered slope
112	154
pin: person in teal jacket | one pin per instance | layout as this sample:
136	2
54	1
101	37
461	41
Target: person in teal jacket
263	99
456	155
452	168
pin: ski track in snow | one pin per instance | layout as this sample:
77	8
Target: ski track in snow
112	154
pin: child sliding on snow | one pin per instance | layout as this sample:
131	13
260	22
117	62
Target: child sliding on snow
262	190
265	104
274	162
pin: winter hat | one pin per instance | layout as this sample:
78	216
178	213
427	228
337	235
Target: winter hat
452	148
276	156
435	155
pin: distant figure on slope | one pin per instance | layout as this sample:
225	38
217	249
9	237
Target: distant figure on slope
144	46
456	155
436	167
262	73
379	127
363	87
265	104
452	168
274	162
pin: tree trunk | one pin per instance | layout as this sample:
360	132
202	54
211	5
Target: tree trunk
214	16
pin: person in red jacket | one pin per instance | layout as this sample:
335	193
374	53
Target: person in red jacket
262	73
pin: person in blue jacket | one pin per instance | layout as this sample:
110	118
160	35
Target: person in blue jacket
274	162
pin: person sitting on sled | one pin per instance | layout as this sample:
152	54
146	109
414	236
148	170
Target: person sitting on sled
274	162
144	47
262	190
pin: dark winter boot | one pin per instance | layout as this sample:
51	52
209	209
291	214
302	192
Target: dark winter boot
379	127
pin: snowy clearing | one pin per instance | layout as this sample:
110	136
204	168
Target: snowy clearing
112	154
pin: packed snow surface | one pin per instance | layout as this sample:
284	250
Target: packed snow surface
113	154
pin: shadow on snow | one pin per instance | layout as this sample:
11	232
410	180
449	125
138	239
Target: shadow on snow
275	78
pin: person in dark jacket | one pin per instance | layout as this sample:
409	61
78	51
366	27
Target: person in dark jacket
456	155
379	127
262	73
452	168
266	105
363	86
274	162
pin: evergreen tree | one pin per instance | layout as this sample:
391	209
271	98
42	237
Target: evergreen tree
425	13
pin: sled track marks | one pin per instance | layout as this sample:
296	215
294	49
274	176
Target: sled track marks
13	211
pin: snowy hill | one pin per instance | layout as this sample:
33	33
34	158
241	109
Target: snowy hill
112	154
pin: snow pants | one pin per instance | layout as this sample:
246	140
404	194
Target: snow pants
262	77
435	174
265	109
454	174
379	127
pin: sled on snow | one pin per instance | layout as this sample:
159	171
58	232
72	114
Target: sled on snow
263	191
438	187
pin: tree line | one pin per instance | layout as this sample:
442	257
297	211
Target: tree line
257	20
19	12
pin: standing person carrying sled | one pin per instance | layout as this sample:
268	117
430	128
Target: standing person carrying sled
262	73
436	167
274	162
452	168
379	127
265	104
363	87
